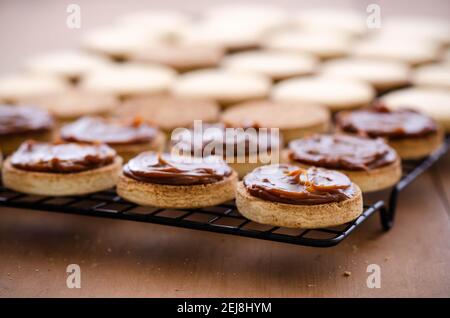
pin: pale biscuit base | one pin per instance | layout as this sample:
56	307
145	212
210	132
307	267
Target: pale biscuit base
298	216
10	143
368	181
61	184
177	196
417	148
245	165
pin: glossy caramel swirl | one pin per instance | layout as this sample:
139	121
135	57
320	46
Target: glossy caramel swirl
157	168
380	122
112	132
342	152
293	185
61	158
23	119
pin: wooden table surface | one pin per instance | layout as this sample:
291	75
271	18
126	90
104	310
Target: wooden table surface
122	258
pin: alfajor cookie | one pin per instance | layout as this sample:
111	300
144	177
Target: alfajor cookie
61	169
322	44
129	79
370	163
289	196
19	87
294	120
20	123
431	101
169	181
127	137
381	74
168	112
222	86
334	93
272	64
433	76
413	135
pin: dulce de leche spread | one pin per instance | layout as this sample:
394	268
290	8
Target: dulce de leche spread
292	185
165	169
112	132
380	122
23	119
61	158
217	139
343	152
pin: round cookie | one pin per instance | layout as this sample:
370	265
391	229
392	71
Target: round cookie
180	57
61	169
433	102
168	181
382	75
69	65
335	94
294	120
392	48
273	64
168	112
16	88
126	80
72	104
288	196
346	21
322	44
433	76
370	163
223	86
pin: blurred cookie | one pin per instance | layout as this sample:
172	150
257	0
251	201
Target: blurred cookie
433	102
168	112
432	75
70	65
347	21
323	44
129	79
381	74
180	57
276	65
294	120
336	94
223	86
14	88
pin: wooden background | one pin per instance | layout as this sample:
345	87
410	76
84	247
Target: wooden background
121	258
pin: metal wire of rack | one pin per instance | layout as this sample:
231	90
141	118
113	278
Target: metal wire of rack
222	218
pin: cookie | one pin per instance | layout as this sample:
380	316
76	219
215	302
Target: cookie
126	80
272	64
370	163
433	76
222	86
430	101
382	75
335	94
61	169
289	196
294	120
169	181
322	44
19	87
169	113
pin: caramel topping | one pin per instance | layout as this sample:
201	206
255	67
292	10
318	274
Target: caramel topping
293	185
176	170
218	139
61	158
342	152
112	132
380	122
23	119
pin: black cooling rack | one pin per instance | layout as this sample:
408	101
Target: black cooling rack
223	218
